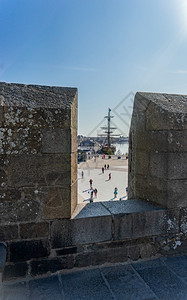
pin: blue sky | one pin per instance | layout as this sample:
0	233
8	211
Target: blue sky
108	49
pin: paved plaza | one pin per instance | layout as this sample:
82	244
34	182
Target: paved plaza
93	170
159	279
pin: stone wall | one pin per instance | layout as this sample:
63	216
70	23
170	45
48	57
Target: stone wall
158	149
44	229
38	160
99	233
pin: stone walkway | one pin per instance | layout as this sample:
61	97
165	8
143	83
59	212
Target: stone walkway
105	187
164	279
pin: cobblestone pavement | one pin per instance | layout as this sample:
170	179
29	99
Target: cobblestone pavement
163	279
92	170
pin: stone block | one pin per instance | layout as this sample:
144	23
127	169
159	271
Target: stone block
148	224
57	203
155	223
162	140
61	233
22	140
26	250
168	165
141	103
100	257
159	165
95	209
15	270
163	192
33	194
37	96
51	265
56	141
150	141
19	211
8	232
177	141
36	117
9	194
44	170
151	189
123	226
168	112
177	166
53	117
79	231
92	230
127	206
177	193
34	230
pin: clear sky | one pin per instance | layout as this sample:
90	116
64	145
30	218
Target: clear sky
108	49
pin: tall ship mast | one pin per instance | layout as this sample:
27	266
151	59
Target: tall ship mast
108	148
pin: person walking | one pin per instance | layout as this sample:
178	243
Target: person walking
109	176
82	174
115	192
95	192
103	170
107	167
91	194
91	181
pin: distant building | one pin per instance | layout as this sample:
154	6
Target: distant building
87	143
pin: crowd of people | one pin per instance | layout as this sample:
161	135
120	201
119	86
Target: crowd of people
93	191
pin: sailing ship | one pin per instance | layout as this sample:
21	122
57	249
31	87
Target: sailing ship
108	148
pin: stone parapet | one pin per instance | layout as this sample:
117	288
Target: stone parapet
38	153
44	228
158	149
97	233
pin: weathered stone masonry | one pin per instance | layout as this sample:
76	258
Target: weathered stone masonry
38	163
44	229
38	153
158	149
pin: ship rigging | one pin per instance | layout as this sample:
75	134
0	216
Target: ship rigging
108	148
